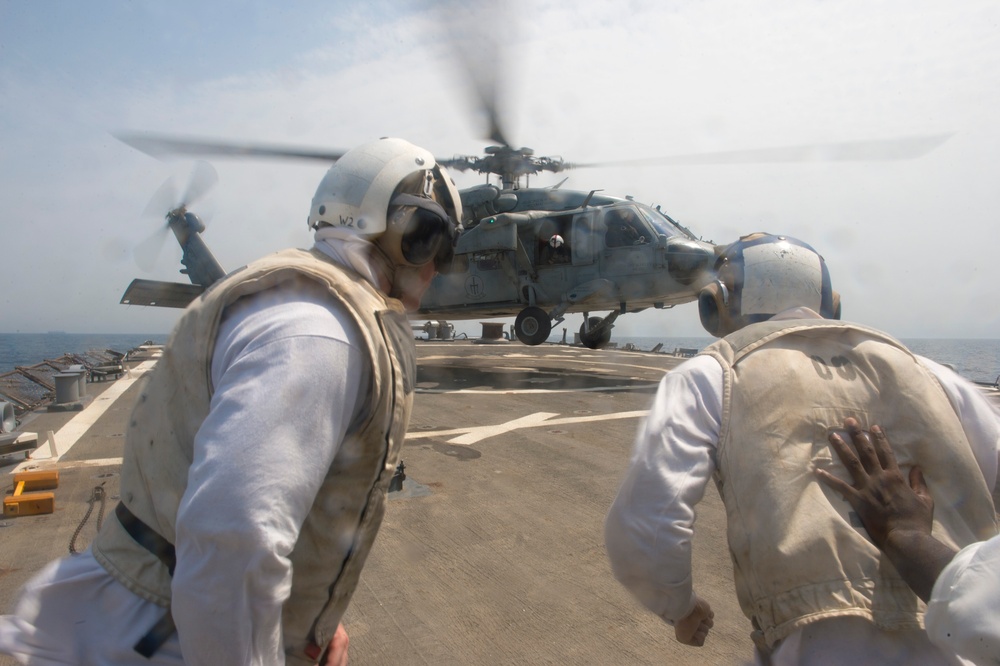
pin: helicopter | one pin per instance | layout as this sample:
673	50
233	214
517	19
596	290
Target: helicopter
533	253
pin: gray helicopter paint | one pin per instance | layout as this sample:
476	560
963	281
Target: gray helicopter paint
500	265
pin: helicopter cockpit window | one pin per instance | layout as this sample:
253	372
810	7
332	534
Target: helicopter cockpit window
663	225
625	228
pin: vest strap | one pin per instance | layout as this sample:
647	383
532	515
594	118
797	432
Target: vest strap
157	636
164	551
147	537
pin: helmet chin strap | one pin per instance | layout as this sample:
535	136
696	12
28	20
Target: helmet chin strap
383	267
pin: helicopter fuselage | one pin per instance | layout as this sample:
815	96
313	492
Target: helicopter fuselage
613	254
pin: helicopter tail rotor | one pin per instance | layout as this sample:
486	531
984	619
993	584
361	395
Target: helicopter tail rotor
147	253
202	179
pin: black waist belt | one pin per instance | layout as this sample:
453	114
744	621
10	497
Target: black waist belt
164	551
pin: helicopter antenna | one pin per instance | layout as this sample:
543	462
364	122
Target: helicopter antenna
590	196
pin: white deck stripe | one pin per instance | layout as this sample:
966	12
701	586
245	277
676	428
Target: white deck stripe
67	436
593	389
475	434
77	427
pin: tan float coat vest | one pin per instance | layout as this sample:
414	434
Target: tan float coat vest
799	553
339	530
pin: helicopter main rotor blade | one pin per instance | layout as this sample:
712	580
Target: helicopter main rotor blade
475	31
157	145
903	148
165	146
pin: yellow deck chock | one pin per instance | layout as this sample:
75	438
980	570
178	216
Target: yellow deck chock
26	502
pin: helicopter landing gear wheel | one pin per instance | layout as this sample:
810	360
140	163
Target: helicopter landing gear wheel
593	337
532	326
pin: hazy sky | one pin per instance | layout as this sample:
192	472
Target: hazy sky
911	244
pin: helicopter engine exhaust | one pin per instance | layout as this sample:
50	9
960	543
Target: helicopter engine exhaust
687	261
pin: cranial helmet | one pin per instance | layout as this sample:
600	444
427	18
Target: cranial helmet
394	189
760	275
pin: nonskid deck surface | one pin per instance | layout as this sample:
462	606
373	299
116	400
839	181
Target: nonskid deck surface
493	551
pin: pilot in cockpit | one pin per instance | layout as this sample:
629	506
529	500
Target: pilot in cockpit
555	251
624	229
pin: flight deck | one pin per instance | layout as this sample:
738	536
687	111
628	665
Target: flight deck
492	549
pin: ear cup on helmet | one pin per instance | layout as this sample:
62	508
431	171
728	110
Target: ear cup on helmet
835	306
425	238
419	231
713	309
708	311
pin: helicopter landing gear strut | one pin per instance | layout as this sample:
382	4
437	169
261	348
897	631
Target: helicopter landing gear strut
532	326
595	332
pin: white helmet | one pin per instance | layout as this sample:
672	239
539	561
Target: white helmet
359	190
759	276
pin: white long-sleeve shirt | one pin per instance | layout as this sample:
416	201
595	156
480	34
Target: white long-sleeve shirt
963	615
288	370
287	380
649	527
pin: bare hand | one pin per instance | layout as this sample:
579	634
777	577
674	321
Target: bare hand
336	652
897	515
693	628
882	498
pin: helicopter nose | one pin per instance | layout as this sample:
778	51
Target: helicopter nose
689	261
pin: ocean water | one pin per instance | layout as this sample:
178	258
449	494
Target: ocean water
31	348
975	359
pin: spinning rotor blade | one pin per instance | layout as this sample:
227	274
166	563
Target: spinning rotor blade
903	148
164	146
164	200
203	179
475	31
148	251
165	205
162	203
